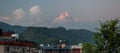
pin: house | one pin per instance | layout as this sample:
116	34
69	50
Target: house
9	43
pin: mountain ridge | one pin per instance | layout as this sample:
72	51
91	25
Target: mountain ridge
48	35
15	28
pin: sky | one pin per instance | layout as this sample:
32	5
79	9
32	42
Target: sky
71	14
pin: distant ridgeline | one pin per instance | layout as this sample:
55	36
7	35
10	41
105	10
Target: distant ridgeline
48	35
7	27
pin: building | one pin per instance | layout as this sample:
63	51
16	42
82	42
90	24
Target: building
9	43
61	47
77	48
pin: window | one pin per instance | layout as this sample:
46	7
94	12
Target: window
7	49
23	50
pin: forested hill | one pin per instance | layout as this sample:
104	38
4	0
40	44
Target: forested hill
15	28
48	35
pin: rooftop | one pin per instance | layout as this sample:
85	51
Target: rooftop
8	38
17	42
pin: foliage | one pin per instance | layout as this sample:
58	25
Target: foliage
48	35
88	47
107	37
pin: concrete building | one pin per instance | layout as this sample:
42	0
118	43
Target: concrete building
61	47
10	44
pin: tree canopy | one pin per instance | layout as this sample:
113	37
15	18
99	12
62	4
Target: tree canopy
107	37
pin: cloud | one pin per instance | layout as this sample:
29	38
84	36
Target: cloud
35	10
29	18
4	19
22	17
64	20
64	17
18	14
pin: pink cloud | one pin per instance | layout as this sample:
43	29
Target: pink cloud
4	19
64	17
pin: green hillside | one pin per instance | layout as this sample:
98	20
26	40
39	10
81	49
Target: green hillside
48	35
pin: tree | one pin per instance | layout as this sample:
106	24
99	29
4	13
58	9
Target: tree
107	37
87	47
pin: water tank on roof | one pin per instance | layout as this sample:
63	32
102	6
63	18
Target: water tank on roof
16	36
41	45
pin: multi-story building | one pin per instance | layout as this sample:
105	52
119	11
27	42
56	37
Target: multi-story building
10	44
61	47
